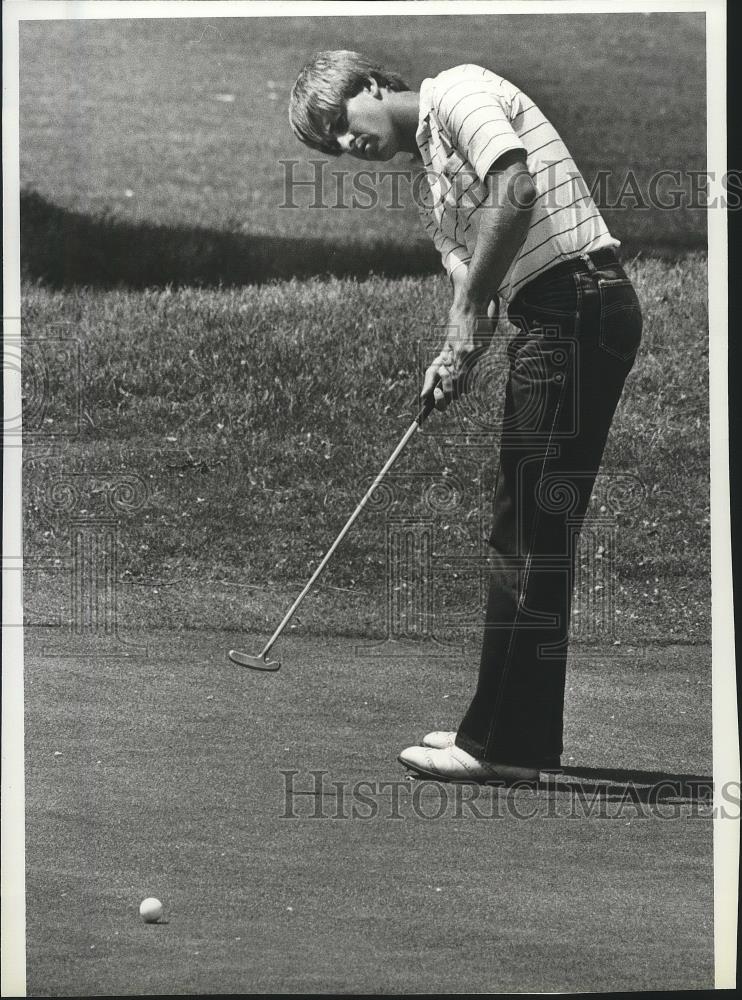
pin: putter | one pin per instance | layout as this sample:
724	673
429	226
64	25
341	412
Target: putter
261	662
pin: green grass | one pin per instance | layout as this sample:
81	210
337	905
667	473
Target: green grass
251	419
161	775
257	417
129	117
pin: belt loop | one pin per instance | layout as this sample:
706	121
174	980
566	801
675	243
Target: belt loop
587	260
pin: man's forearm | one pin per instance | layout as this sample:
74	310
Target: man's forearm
503	228
472	319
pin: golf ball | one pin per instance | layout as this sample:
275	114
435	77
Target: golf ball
150	910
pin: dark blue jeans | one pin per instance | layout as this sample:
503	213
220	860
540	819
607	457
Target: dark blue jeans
579	329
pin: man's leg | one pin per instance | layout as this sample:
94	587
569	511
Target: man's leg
560	399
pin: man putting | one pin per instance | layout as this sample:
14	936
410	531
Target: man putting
512	218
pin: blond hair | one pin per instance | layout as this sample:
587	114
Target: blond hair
321	89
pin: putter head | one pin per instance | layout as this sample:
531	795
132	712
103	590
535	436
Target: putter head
253	662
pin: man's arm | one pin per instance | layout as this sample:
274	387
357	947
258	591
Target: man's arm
459	279
504	224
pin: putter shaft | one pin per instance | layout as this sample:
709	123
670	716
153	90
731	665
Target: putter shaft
244	659
414	426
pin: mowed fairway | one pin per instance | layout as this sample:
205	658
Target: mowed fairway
163	774
184	122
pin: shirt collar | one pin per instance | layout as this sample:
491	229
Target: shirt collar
426	88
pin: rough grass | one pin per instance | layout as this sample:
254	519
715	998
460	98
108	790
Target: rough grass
256	417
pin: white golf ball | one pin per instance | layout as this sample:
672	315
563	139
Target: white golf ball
150	910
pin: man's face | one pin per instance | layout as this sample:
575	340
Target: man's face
367	129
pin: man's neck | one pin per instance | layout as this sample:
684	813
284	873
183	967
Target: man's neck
405	108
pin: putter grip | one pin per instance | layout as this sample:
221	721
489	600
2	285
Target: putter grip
427	409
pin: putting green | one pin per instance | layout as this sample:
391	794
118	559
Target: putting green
167	773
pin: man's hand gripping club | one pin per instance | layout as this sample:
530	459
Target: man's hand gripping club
469	334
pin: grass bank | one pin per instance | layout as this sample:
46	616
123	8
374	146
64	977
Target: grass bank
249	422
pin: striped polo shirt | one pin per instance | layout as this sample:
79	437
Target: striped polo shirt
468	118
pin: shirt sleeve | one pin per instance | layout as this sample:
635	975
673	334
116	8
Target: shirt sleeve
453	254
469	107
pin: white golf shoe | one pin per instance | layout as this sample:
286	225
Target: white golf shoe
438	740
454	764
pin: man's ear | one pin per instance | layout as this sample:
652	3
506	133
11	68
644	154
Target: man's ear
373	87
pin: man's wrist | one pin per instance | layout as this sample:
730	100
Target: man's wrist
464	301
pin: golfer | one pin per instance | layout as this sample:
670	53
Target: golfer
513	220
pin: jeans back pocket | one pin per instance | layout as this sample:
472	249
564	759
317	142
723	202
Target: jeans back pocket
621	321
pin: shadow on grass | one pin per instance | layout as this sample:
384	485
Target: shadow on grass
586	784
632	785
596	785
63	248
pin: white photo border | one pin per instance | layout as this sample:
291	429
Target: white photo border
724	700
